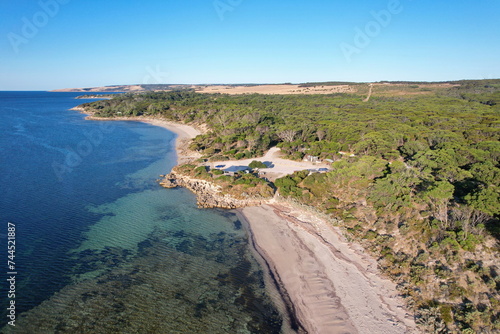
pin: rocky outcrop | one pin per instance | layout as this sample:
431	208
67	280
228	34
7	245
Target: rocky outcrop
80	109
208	194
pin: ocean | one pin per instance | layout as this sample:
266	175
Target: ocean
100	247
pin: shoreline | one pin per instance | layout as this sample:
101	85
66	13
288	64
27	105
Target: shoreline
185	133
327	285
333	285
274	287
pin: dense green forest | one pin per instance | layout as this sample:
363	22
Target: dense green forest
419	186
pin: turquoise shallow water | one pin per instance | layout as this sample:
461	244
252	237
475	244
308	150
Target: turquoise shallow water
102	248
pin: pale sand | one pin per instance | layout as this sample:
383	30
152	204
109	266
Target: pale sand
333	285
273	89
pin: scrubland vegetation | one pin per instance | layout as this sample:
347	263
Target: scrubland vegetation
421	190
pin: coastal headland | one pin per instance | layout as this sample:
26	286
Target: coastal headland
333	286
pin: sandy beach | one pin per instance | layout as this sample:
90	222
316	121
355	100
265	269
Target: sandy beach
333	285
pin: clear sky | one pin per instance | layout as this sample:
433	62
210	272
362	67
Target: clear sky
51	44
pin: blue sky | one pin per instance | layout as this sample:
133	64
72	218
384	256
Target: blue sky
52	44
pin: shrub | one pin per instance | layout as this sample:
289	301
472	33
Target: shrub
209	151
257	164
469	242
370	235
200	169
451	241
218	158
188	168
224	178
446	313
202	172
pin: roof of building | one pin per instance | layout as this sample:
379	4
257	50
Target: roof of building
235	169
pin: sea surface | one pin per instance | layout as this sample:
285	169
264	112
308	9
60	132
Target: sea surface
100	247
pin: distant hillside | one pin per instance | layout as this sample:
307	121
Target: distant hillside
146	88
119	88
382	88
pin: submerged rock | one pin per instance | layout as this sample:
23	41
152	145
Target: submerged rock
169	183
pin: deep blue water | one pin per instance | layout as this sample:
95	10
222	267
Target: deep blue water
94	229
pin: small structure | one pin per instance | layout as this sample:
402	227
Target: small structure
220	166
235	169
329	161
311	158
319	170
345	153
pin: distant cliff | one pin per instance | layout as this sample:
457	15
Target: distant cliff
124	88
